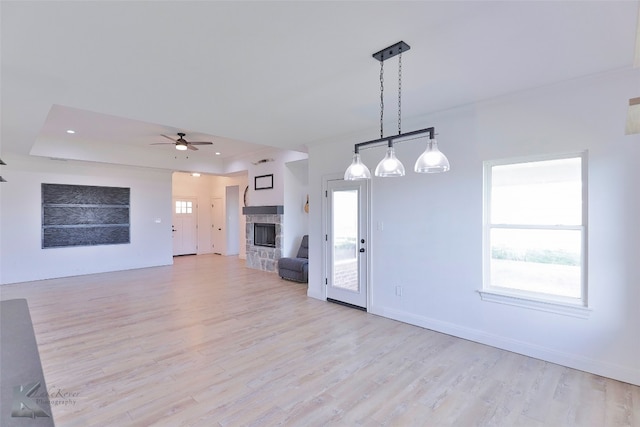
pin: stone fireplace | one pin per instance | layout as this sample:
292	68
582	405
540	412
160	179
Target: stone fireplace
263	253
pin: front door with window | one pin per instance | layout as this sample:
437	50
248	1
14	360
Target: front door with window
184	228
346	241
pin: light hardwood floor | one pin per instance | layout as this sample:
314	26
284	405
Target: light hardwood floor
209	342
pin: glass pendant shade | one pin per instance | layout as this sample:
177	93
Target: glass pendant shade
432	160
357	170
390	165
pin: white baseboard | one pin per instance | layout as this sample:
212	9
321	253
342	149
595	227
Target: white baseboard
316	295
575	361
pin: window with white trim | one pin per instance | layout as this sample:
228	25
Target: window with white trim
535	218
184	207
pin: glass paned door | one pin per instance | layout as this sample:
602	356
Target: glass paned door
347	242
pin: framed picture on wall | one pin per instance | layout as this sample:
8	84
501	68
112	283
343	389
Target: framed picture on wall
263	182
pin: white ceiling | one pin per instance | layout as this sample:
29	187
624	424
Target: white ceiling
280	74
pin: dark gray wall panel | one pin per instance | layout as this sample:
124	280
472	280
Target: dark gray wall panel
85	236
82	215
84	195
67	215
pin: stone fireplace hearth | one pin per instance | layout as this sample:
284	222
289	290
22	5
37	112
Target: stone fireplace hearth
263	258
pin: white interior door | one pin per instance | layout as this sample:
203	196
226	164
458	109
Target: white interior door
217	232
346	241
185	226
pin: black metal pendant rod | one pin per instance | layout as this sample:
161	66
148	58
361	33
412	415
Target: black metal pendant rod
389	139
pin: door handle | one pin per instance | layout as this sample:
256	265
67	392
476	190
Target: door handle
361	249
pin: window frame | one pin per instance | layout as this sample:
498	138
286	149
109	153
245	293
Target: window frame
578	307
183	207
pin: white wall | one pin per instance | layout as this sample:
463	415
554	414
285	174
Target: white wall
221	187
232	214
274	196
21	255
296	220
431	243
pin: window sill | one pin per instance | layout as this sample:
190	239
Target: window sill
524	301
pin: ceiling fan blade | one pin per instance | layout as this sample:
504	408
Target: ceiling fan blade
163	143
200	143
168	137
191	147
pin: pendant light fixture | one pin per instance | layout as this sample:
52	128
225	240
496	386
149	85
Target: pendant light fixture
357	169
390	165
431	161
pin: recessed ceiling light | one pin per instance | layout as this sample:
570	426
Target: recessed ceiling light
195	174
217	153
71	131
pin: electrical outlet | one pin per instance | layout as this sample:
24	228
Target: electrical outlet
399	291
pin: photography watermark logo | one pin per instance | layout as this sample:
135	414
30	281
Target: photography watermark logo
25	402
28	401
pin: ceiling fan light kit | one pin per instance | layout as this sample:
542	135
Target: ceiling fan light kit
182	144
431	161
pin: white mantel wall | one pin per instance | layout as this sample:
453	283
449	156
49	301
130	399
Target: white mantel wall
276	167
431	243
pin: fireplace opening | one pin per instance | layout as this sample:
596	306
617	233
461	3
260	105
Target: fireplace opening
264	235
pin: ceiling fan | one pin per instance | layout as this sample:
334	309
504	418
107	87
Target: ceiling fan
181	143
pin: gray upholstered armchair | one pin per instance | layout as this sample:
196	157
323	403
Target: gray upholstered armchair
297	268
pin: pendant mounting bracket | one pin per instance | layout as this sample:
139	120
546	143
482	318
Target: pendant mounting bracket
391	51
